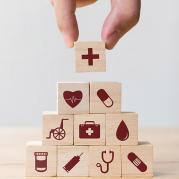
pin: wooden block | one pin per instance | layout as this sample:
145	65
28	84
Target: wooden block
99	156
73	98
89	129
137	160
57	129
105	97
122	129
77	177
90	57
40	160
73	161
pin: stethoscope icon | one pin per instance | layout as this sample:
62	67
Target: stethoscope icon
105	161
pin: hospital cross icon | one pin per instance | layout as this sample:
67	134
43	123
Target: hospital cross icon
90	56
89	131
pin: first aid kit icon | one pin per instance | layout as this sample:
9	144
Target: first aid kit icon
89	130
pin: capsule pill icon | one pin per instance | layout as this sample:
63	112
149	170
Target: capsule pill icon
105	98
137	162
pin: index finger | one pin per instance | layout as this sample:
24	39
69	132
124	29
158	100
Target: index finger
66	20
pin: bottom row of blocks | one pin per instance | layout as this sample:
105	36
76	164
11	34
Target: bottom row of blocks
89	160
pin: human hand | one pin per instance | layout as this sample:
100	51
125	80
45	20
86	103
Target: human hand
123	16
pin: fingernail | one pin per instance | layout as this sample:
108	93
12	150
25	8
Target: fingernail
68	41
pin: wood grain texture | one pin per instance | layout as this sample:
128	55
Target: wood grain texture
113	90
52	125
98	119
95	153
82	107
144	152
12	152
66	154
82	65
49	169
112	123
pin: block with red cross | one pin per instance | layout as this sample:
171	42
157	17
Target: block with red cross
90	57
89	129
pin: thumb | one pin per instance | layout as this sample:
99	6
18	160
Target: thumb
122	17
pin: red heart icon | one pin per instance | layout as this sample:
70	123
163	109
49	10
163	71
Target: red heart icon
73	98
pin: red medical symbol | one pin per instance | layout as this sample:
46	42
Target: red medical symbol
122	132
89	130
73	98
105	98
137	162
107	162
90	56
74	161
58	133
40	161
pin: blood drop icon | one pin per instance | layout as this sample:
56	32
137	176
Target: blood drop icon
122	132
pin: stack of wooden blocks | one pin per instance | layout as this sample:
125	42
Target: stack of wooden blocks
89	135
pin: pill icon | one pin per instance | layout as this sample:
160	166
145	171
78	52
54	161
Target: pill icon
105	98
137	162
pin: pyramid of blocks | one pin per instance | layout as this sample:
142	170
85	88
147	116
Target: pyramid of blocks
89	136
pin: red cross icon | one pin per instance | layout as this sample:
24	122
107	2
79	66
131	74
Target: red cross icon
89	131
90	56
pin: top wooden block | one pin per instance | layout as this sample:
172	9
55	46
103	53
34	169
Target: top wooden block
90	57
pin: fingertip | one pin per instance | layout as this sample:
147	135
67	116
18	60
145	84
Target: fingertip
66	20
111	40
69	41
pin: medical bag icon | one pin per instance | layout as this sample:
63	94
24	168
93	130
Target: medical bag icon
41	161
89	130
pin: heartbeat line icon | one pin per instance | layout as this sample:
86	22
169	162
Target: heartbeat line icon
73	99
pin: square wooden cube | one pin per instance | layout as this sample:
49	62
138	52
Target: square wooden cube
89	129
122	129
90	57
99	156
73	98
57	129
137	160
105	97
40	160
73	161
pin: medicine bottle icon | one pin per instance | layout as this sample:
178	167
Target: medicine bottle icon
41	161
